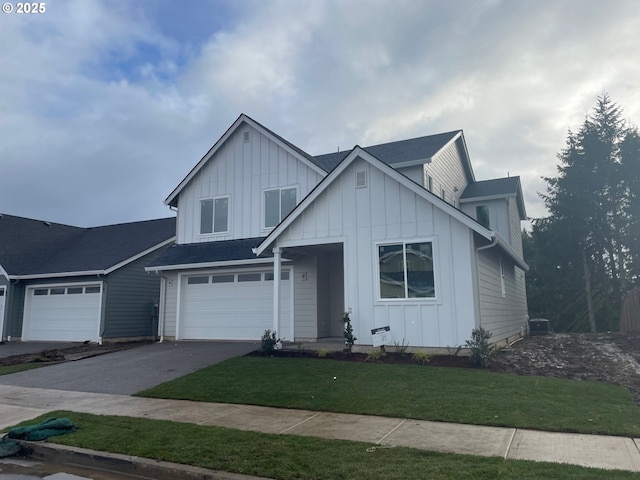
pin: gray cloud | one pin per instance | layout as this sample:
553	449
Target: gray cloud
104	106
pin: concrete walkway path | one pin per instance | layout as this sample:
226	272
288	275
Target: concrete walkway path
617	453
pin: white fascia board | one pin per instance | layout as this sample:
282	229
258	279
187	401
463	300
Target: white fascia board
488	197
59	275
4	273
230	131
139	255
411	163
191	266
358	152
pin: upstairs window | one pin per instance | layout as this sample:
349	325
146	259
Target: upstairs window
214	215
278	204
482	215
406	270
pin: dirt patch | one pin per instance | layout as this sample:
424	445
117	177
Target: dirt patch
604	357
600	357
58	355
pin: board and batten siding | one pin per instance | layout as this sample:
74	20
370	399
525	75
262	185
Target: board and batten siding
386	211
505	316
132	294
242	171
447	172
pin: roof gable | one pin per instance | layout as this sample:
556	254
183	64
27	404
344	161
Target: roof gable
31	248
172	199
359	152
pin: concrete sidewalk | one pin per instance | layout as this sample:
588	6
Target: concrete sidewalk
614	453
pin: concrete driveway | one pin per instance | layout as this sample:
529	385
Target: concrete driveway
129	371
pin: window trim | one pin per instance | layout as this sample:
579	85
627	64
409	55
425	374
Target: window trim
213	216
264	204
423	300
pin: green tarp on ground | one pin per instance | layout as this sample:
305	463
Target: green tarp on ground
50	427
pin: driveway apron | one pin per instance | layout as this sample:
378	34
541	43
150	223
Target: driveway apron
129	371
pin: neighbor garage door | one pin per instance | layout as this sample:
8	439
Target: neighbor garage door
233	306
62	313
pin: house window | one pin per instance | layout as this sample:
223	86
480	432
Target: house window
503	287
249	277
214	215
443	194
430	183
278	204
284	275
198	280
482	215
406	270
229	278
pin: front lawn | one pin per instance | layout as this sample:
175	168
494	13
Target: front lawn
296	457
428	393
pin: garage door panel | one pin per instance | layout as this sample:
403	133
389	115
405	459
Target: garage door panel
232	310
72	313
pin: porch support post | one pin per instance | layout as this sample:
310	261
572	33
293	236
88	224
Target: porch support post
277	263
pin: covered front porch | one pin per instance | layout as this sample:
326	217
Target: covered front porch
318	291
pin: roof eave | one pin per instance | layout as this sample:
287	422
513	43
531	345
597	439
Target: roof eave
193	266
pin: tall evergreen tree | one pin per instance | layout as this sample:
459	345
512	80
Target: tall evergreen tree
585	254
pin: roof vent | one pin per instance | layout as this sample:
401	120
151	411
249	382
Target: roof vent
247	136
361	179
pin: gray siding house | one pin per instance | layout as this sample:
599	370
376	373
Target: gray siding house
66	283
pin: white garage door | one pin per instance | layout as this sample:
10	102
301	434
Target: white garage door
233	306
62	313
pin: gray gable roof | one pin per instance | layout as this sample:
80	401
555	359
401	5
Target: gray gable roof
34	247
492	188
395	153
208	252
495	188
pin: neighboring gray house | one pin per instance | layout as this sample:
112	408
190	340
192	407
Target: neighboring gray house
399	234
65	283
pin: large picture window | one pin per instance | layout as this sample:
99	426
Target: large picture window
278	204
214	215
406	270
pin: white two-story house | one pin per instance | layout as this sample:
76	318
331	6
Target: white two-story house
399	235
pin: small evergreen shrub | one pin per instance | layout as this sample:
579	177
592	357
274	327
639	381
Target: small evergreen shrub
480	347
349	337
268	342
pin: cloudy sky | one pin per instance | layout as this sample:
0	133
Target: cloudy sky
106	105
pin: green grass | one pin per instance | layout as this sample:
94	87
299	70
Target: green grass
291	457
7	369
429	393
